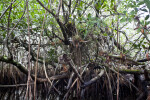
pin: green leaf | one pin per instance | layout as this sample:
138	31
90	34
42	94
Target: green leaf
146	18
145	10
147	3
89	16
81	4
105	34
112	3
98	6
132	12
135	45
143	46
130	19
124	12
104	5
122	20
136	9
4	35
85	33
145	42
98	24
79	8
141	3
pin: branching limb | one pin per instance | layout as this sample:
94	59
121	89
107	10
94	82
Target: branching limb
10	32
69	6
64	59
145	35
71	64
143	60
118	45
33	54
66	95
70	81
59	6
126	60
25	71
61	25
50	80
6	9
11	55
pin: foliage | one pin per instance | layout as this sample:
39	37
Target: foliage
88	31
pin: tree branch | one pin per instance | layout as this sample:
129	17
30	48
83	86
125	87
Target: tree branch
143	60
25	71
7	9
58	21
18	65
33	54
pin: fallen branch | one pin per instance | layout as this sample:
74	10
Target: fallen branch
128	60
15	85
143	60
129	71
124	59
93	80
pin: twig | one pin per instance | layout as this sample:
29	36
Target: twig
143	60
49	79
25	71
75	7
134	43
15	85
59	6
36	65
71	64
29	66
70	80
145	35
16	24
58	21
7	9
33	54
121	76
109	84
51	12
66	95
129	61
69	6
11	55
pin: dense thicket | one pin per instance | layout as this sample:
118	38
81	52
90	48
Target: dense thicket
74	49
